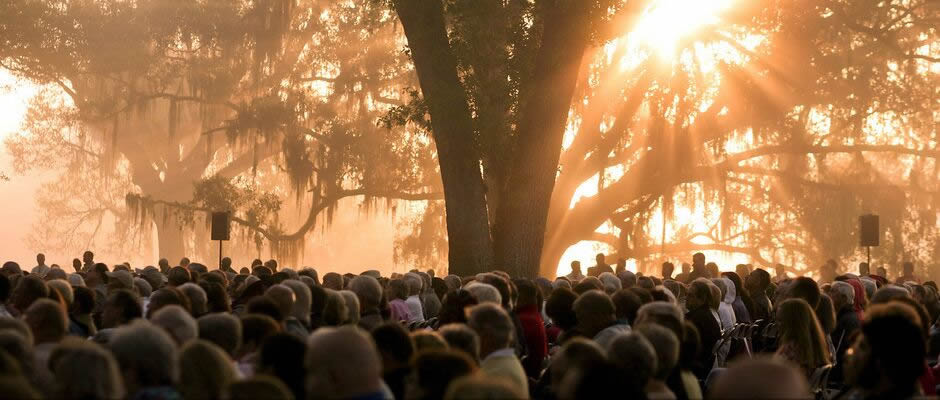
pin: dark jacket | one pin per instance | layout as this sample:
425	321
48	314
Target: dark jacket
709	332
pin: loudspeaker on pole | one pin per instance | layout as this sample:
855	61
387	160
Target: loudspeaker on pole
869	235
220	225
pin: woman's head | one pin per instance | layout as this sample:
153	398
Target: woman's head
800	329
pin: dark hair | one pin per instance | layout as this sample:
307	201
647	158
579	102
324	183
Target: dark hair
216	297
806	289
264	306
4	288
528	293
166	296
436	369
897	344
282	355
83	300
627	303
257	327
439	287
560	308
101	269
393	341
128	302
178	276
453	306
644	295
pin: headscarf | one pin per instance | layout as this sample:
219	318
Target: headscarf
860	300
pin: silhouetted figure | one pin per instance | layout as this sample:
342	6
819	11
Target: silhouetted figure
864	269
668	269
226	265
684	275
576	274
780	272
907	273
621	266
698	267
88	260
601	266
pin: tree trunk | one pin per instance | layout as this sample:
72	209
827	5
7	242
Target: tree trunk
521	221
469	245
169	236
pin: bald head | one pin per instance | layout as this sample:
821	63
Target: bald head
342	363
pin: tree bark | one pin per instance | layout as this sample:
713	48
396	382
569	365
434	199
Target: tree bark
169	236
520	224
470	248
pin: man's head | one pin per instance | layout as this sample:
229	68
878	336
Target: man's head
177	322
283	297
29	289
666	345
120	308
888	357
699	295
368	290
342	363
576	266
760	378
88	257
226	263
146	354
97	275
184	262
595	311
635	356
780	270
493	325
698	260
600	258
40	259
223	329
882	272
908	268
842	294
47	321
807	289
668	269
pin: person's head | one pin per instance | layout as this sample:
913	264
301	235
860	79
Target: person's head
394	345
178	276
146	355
271	264
806	289
757	282
64	289
342	363
461	337
433	371
164	297
611	282
888	293
760	378
258	387
799	328
427	340
29	289
600	257
476	387
198	300
283	355
369	292
282	297
333	281
485	293
493	325
560	308
698	260
842	295
222	329
120	308
594	311
205	370
46	320
255	328
626	305
888	356
352	306
882	272
575	355
576	266
826	314
302	300
664	314
335	312
666	345
699	295
668	269
635	356
177	322
85	370
88	257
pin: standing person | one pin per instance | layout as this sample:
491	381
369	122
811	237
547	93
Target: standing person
907	273
88	260
41	269
698	267
684	275
601	266
698	301
576	274
864	269
668	269
780	273
621	266
801	337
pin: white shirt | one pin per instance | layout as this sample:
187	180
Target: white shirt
415	309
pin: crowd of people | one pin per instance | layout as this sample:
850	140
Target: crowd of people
270	332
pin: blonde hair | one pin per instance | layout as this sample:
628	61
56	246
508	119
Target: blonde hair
800	329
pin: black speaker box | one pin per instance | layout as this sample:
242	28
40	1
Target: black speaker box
868	230
220	226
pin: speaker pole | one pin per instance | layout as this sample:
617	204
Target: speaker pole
869	257
220	254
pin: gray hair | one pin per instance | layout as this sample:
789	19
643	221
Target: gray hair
844	290
177	322
666	344
485	293
491	323
197	297
76	280
414	283
64	288
665	314
453	282
352	306
870	286
223	329
334	310
146	350
143	287
561	283
342	363
611	282
888	293
302	300
368	290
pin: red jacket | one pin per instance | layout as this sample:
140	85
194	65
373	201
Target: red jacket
533	329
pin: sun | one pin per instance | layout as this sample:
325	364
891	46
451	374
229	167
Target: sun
666	22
